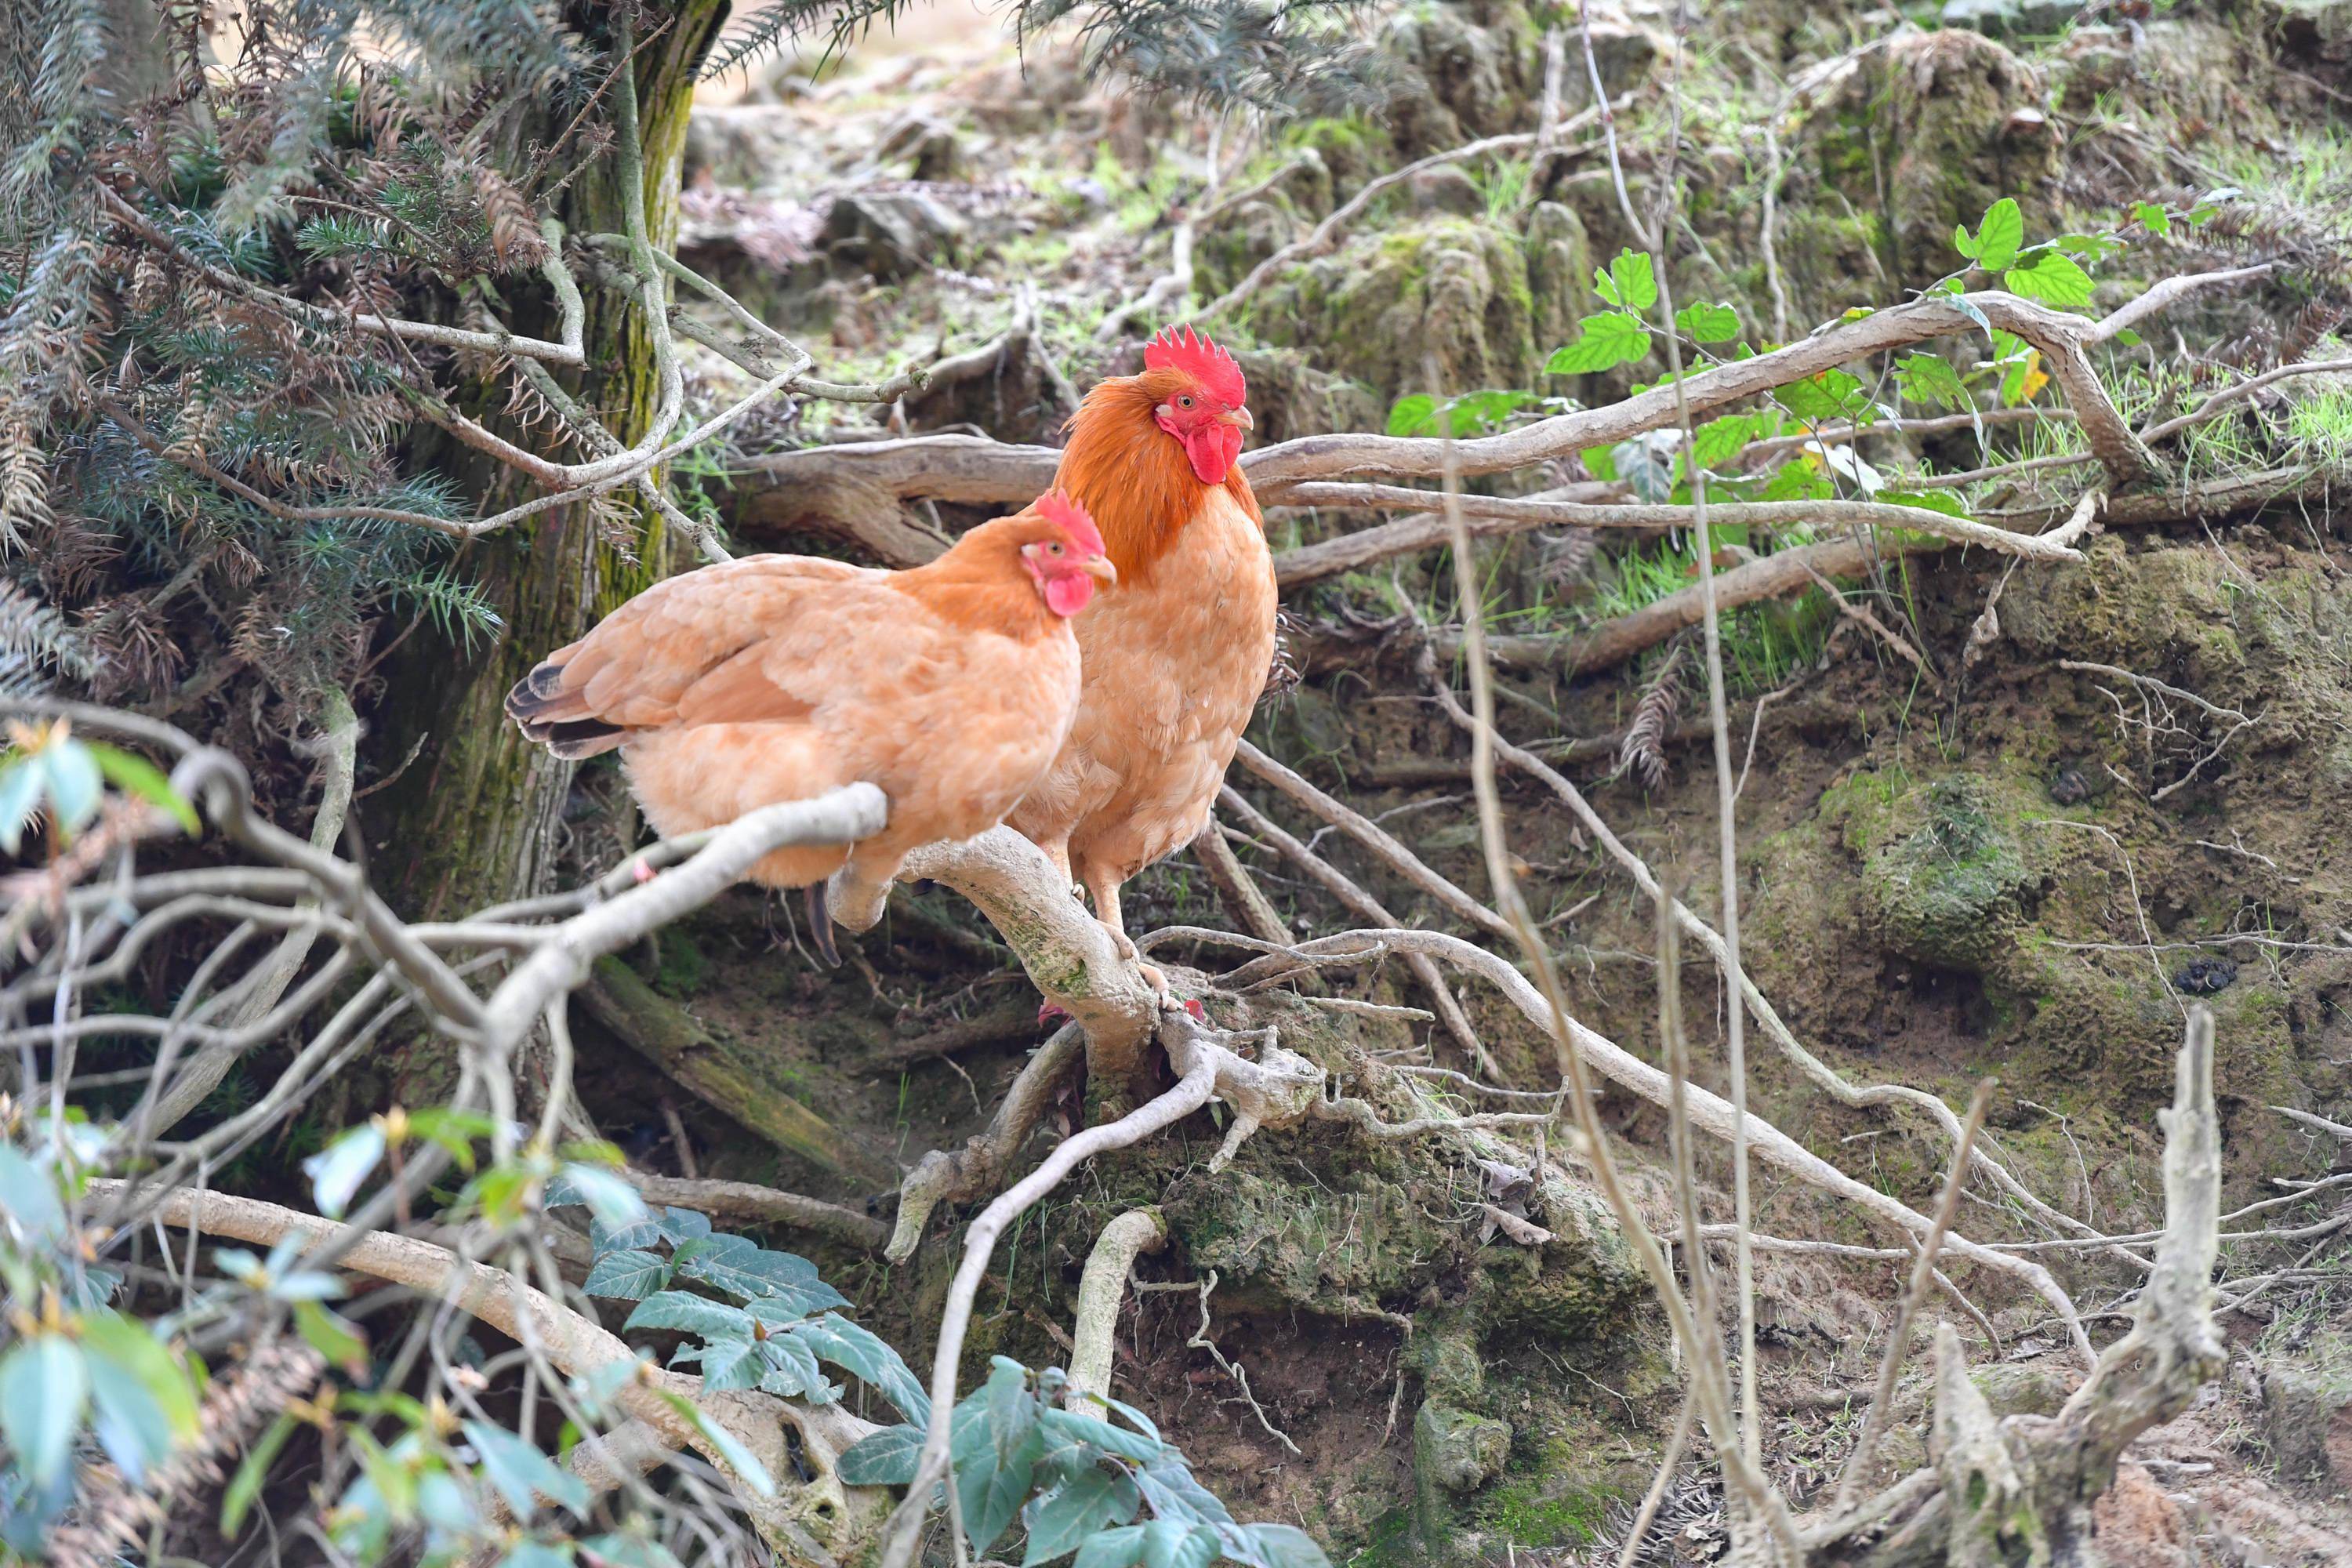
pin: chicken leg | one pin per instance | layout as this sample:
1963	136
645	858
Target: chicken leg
1104	884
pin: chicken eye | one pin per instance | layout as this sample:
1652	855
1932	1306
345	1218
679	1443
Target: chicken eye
1053	549
1185	402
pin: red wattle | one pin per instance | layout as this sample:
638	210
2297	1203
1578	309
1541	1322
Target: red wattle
1213	448
1067	595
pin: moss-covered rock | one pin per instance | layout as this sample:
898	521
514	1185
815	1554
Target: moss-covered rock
1456	1451
1928	131
1951	890
1448	294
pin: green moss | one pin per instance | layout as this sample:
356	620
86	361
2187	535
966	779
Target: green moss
1949	891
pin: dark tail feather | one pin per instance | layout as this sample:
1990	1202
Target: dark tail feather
535	692
538	705
821	924
575	739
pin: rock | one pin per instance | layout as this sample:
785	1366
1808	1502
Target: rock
1456	1451
2310	1411
2011	18
931	145
2205	976
1950	892
1445	189
1918	139
2069	787
891	234
1447	294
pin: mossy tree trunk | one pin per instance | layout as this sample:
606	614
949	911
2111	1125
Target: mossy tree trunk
477	818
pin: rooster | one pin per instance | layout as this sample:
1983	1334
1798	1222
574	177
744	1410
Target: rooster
1175	656
950	685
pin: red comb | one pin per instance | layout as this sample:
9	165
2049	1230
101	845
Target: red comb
1181	348
1066	514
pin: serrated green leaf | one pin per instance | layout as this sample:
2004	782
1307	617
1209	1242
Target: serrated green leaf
1708	322
43	1387
741	1267
680	1225
1825	395
1606	340
2152	217
1998	236
1630	283
887	1459
690	1314
2128	338
2051	277
1104	1436
1413	415
1061	1520
521	1473
1168	1486
862	1353
1170	1543
1120	1548
726	1363
790	1369
337	1171
1943	502
1285	1546
1797	480
1928	378
136	776
1719	441
627	1276
995	1450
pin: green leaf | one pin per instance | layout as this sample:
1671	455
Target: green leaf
76	785
611	1200
44	1385
726	1363
1285	1546
739	1459
1413	415
1825	395
28	1199
1940	501
859	1352
1998	235
1709	323
995	1450
690	1314
2128	338
337	1171
1719	441
1170	1543
1112	1549
2152	217
136	776
1629	282
790	1369
2051	277
627	1276
1059	1521
21	778
146	1399
887	1458
530	1553
521	1473
245	1487
1608	339
1796	480
682	1225
1104	1436
787	1284
1928	378
332	1335
1168	1485
630	1551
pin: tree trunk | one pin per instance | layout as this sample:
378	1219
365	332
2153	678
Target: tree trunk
477	818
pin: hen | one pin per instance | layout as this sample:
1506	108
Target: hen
1176	655
951	686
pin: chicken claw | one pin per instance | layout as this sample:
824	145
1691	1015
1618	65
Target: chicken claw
821	924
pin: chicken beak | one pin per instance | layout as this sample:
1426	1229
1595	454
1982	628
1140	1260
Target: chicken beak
1100	568
1239	418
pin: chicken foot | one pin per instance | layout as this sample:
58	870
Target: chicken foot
821	924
